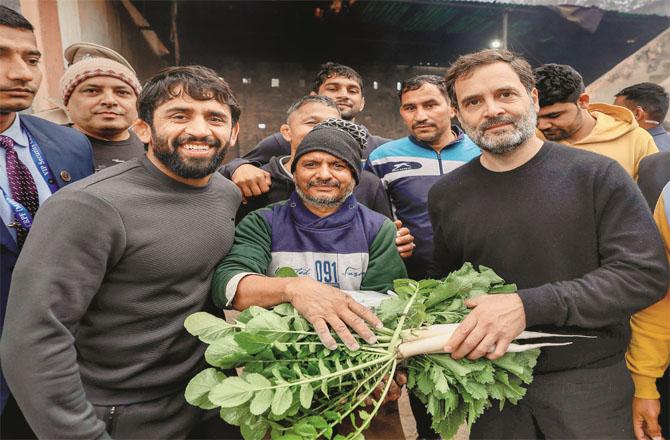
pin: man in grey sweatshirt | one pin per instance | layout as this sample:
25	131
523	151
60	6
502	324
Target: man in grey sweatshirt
93	344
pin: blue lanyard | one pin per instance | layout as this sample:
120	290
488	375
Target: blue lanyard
41	163
21	213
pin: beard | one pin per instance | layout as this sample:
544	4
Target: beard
524	129
168	153
325	202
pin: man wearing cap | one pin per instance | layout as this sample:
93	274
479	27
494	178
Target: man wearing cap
321	232
303	114
37	158
100	95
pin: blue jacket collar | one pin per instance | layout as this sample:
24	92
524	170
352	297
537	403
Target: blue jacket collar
455	128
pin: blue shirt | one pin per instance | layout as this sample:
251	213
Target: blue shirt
409	168
18	134
661	137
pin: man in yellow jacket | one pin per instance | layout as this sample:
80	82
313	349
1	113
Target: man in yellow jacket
567	116
648	354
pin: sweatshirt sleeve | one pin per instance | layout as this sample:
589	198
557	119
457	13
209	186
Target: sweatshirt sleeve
75	238
648	353
633	270
385	264
250	254
229	169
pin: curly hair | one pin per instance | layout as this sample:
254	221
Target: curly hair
558	83
198	82
651	97
331	69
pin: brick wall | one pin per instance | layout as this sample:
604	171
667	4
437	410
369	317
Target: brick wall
262	104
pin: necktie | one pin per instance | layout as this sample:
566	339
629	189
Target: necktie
21	184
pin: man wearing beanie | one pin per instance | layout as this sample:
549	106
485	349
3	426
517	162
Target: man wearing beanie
301	117
333	243
100	95
321	232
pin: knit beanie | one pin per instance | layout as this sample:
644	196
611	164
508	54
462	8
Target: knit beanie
91	67
343	139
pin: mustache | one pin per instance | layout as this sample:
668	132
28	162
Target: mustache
495	121
423	124
23	88
321	182
186	139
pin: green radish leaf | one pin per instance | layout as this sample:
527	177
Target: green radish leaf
284	309
255	430
257	380
198	388
261	402
269	325
305	429
226	353
231	392
252	343
236	416
208	328
306	394
282	400
363	415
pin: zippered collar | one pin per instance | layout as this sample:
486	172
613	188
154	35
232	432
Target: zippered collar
455	128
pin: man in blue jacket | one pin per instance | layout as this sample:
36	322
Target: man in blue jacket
411	165
36	159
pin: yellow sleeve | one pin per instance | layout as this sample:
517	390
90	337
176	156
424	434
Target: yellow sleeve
648	354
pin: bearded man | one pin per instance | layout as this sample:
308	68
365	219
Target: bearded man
123	258
321	232
570	228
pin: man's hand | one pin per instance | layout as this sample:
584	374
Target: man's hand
325	306
251	180
645	419
404	241
493	323
395	389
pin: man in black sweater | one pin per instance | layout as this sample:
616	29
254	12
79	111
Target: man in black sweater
570	229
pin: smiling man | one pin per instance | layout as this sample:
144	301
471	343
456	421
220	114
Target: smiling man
321	232
302	116
125	256
571	229
100	96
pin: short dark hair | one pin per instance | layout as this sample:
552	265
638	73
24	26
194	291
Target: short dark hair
651	97
558	83
198	82
466	64
12	19
330	69
325	100
416	82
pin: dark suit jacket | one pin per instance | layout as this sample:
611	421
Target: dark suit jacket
653	175
69	155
